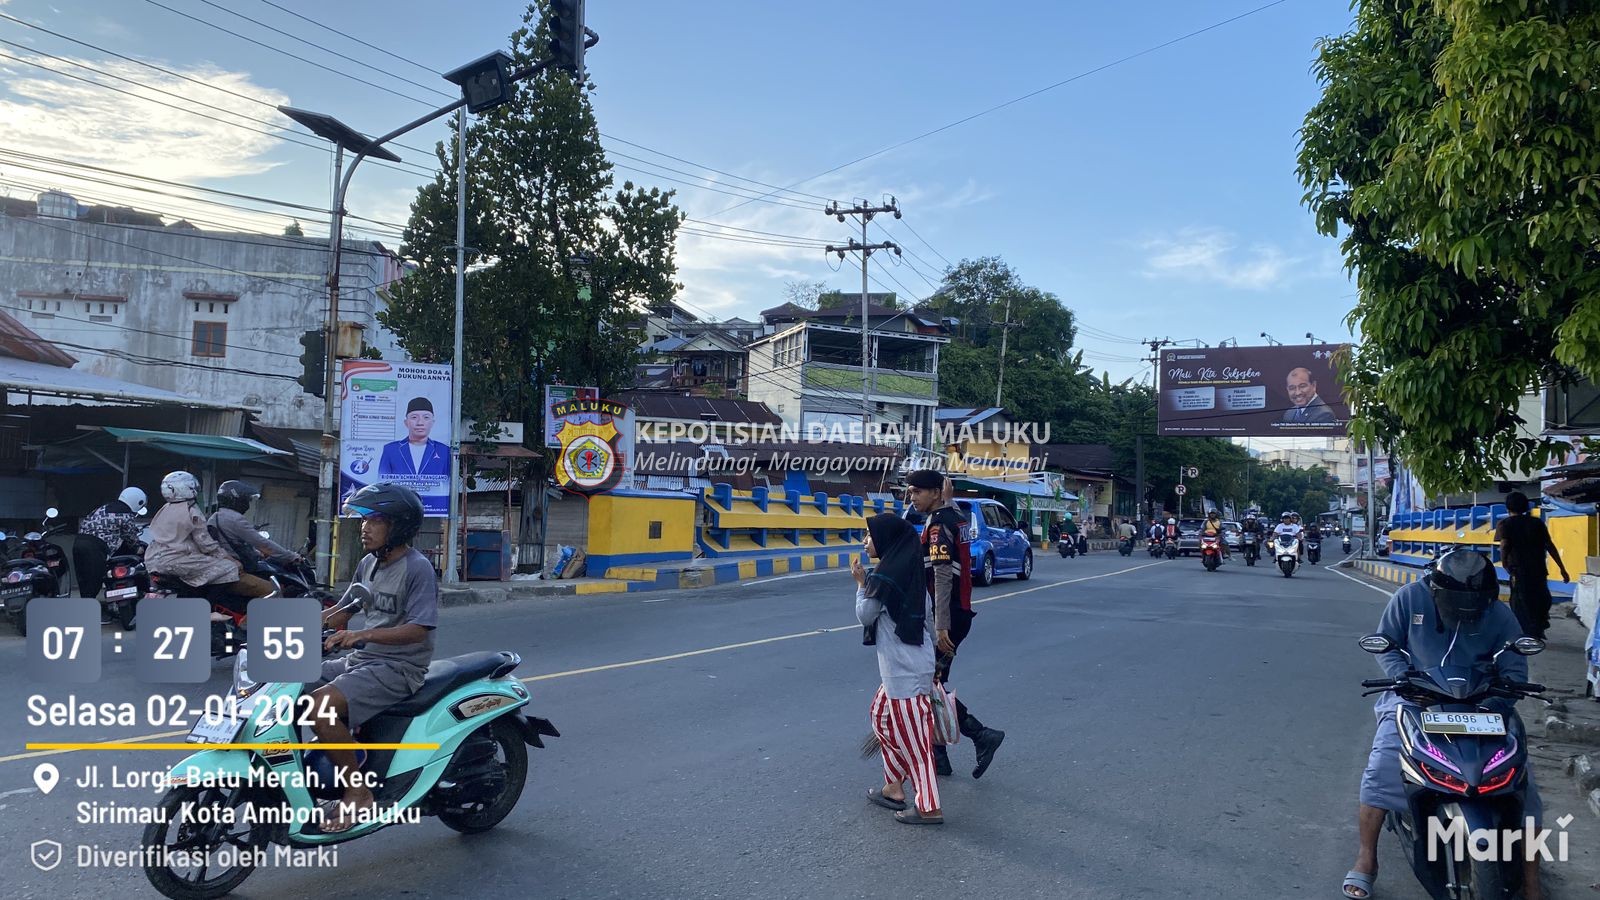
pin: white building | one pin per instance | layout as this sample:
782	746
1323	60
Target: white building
202	313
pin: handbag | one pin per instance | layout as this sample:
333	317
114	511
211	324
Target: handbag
946	727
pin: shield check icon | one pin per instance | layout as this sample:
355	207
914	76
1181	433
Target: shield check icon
46	855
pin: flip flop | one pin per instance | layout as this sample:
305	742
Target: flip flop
876	796
915	817
339	824
1358	881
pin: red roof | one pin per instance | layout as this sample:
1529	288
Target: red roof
21	342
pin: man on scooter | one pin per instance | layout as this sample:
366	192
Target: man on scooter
1252	526
1213	528
237	534
1451	617
393	651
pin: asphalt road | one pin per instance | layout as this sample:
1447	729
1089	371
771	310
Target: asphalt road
1170	733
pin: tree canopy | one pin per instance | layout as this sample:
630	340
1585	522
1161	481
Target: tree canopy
564	260
1456	147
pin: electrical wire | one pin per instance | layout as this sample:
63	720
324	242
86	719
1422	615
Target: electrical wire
352	38
266	46
166	334
999	106
311	43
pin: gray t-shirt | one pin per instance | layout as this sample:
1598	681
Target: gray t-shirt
403	592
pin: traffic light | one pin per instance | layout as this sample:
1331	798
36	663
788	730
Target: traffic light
566	36
314	361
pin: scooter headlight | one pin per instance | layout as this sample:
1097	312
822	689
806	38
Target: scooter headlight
1502	757
1498	782
242	685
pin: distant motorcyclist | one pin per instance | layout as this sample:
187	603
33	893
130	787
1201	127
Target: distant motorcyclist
182	546
1156	532
1213	528
1172	529
1450	617
237	535
110	530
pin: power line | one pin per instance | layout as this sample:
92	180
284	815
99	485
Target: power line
311	43
714	169
167	334
928	245
308	62
352	37
141	360
1050	87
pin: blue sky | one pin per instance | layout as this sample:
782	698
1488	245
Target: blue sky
1157	198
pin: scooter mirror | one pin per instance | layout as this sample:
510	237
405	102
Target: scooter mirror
1527	646
1376	643
353	597
51	513
2	535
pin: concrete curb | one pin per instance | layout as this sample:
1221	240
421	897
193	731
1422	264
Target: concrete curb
475	595
709	573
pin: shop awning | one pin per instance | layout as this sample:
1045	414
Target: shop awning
1020	488
197	446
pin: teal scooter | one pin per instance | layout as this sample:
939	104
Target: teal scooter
228	810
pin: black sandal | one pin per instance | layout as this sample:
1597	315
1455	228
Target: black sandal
914	817
876	796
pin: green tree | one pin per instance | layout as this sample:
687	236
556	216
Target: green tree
293	229
1456	148
565	260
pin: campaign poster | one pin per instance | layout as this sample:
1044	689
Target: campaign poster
395	427
1273	391
555	394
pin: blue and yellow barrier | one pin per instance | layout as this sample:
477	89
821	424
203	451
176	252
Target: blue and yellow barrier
1418	538
640	528
760	522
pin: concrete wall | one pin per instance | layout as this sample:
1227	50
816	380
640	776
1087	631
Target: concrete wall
639	528
123	288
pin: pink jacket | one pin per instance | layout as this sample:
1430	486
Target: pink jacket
182	546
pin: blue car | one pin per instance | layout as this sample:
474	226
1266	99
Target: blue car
998	546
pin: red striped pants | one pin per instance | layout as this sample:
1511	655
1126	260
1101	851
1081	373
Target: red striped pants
905	730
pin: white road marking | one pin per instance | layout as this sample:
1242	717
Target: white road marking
1364	584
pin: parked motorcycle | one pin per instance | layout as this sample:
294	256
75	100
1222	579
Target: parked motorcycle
1250	546
1464	753
34	568
127	581
1313	550
1211	551
469	706
1287	551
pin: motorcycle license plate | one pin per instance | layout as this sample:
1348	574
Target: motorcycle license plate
11	593
122	592
1463	723
217	729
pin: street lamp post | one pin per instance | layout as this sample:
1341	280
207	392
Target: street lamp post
1272	341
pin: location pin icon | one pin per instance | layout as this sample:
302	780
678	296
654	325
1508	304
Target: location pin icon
46	777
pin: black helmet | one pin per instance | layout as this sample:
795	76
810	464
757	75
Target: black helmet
394	502
237	495
1464	585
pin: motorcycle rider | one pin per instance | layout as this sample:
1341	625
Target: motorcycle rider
1287	526
1449	617
110	530
237	535
182	546
1213	528
402	616
1313	532
1252	525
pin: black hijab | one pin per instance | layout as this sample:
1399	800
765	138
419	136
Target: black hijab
898	581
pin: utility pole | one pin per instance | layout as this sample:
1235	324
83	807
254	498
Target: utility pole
1138	433
1005	332
866	213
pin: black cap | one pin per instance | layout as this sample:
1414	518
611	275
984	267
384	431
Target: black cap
422	403
926	478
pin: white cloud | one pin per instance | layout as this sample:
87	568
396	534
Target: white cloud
65	118
1214	255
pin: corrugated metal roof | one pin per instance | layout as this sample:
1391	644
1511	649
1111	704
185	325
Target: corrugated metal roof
26	376
647	405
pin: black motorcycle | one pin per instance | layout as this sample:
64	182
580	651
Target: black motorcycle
1464	754
126	582
35	568
1154	546
1313	549
1125	546
1067	546
1250	545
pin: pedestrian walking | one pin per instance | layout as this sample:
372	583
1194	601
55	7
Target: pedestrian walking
1524	541
893	606
947	558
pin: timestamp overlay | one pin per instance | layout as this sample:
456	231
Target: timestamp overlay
183	753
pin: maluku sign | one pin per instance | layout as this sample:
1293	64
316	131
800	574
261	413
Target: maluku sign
1251	391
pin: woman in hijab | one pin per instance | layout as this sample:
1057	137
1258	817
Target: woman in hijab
892	603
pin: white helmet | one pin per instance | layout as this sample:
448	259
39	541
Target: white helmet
178	487
133	498
1172	521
